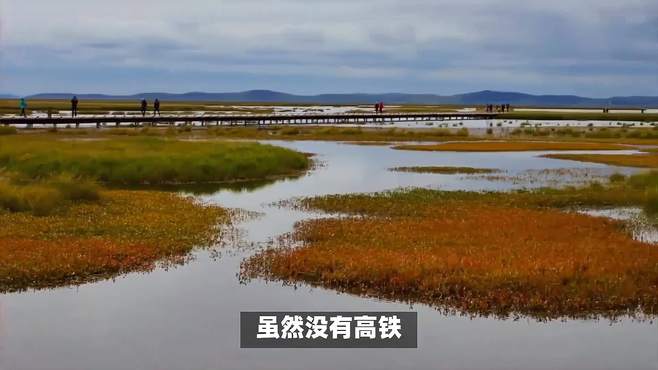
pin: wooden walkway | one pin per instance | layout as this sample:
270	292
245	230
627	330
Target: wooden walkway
210	120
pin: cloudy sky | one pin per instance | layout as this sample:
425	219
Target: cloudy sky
588	47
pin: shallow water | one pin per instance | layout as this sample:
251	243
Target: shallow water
187	317
637	223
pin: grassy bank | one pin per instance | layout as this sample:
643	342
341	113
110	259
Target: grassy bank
126	231
579	116
632	160
340	133
146	160
619	135
511	146
369	135
481	253
322	133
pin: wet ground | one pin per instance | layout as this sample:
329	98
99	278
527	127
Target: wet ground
187	317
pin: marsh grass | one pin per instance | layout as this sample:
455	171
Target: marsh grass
478	253
444	170
578	116
148	160
126	231
625	160
45	197
334	133
618	134
510	146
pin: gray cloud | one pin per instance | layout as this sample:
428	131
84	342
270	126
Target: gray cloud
595	47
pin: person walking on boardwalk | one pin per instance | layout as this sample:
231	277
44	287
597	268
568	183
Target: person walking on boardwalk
74	106
376	107
22	105
381	107
144	106
156	107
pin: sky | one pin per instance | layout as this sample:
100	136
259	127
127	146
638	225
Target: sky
595	48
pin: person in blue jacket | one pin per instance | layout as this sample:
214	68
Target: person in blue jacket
22	105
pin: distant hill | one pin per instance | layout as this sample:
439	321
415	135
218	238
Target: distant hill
475	98
8	96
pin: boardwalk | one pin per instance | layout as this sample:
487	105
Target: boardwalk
211	120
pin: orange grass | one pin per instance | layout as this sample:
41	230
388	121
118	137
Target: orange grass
470	255
127	231
510	146
631	160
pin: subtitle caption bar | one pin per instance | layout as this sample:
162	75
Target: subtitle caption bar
328	330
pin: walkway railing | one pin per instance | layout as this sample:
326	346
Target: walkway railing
251	119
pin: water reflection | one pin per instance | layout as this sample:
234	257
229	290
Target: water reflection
187	317
213	188
640	225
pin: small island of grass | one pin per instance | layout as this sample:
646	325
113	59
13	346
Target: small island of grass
510	146
629	160
444	170
500	254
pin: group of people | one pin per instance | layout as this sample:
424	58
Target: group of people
379	107
144	105
499	108
22	106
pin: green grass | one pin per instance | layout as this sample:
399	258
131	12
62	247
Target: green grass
639	190
604	133
147	160
577	116
46	197
338	133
